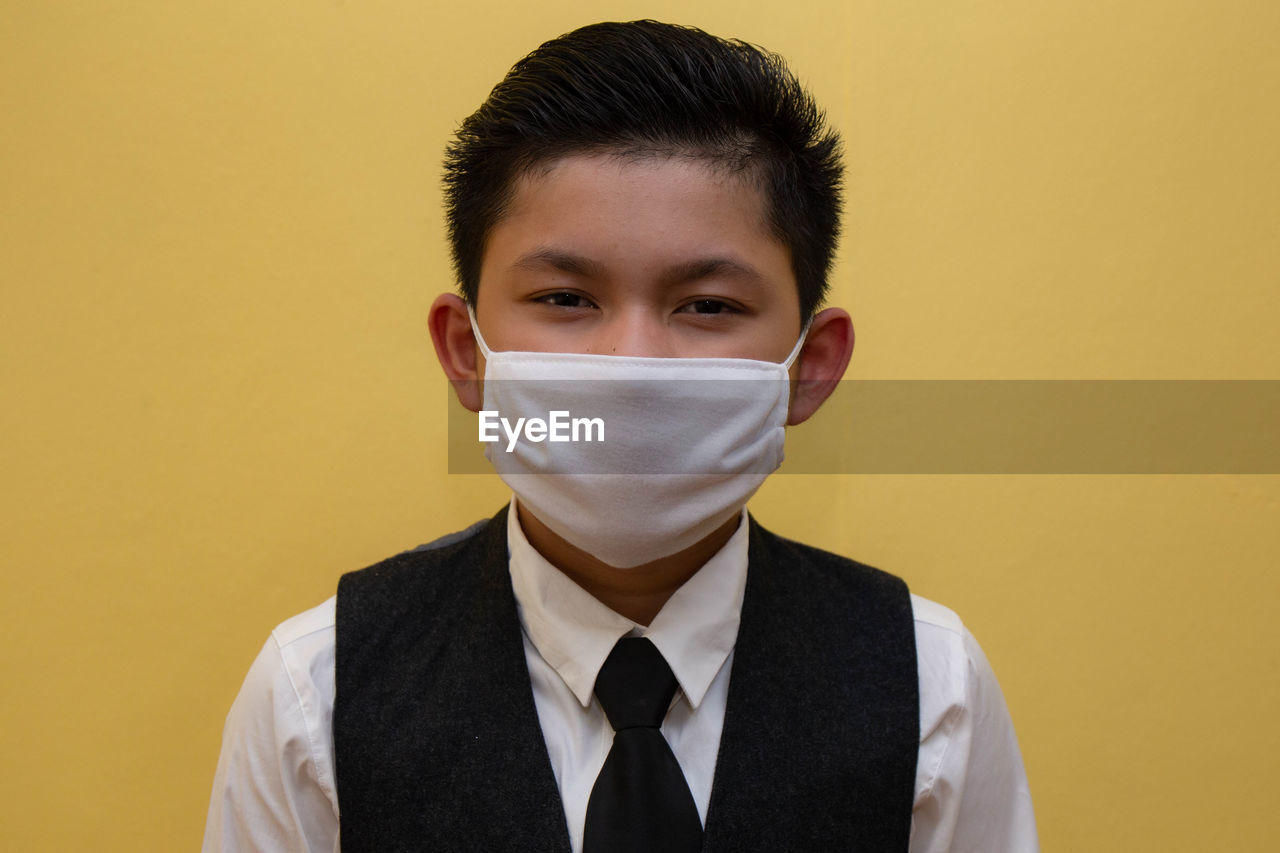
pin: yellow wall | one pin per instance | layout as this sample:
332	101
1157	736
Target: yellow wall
220	231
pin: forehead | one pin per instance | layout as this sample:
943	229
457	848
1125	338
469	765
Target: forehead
637	212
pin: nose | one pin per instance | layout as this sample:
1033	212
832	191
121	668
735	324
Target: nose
634	333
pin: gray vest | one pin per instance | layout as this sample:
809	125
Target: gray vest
437	742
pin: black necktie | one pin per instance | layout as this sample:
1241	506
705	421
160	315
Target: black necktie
640	802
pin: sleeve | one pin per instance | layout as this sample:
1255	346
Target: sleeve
273	790
972	795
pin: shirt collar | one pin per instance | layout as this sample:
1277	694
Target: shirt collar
695	630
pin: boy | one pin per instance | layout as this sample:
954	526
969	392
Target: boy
622	659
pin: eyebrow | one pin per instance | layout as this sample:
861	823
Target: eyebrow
560	260
681	273
700	268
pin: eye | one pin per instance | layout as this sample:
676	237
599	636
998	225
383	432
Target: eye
709	306
564	299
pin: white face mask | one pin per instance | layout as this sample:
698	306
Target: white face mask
679	446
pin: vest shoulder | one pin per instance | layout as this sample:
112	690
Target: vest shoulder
830	566
439	564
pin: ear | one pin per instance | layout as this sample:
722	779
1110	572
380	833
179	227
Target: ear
823	359
456	349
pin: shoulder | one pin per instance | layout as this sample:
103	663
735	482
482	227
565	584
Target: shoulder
941	637
299	655
303	650
960	699
951	661
306	626
423	596
831	571
275	776
936	616
951	666
386	582
971	788
289	687
944	657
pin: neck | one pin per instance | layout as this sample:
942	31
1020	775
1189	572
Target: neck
637	593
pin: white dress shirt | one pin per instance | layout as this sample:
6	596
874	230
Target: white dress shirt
274	789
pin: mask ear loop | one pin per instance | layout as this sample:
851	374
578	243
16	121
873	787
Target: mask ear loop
475	330
795	351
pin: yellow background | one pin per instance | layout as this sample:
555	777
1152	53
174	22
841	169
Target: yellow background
220	230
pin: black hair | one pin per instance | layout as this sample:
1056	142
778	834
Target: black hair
646	87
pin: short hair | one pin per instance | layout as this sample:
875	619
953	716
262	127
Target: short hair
649	88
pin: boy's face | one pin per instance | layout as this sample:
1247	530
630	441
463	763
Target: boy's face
646	256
